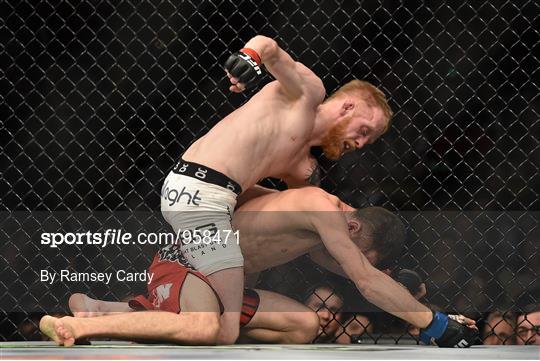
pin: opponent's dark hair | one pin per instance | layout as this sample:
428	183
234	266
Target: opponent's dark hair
386	231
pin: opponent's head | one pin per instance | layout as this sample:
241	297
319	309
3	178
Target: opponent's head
499	329
362	113
378	233
327	303
528	326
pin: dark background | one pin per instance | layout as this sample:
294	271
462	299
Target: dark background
98	100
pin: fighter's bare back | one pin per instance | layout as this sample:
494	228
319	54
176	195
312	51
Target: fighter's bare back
277	227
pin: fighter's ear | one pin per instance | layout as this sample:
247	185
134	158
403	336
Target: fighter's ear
347	106
354	226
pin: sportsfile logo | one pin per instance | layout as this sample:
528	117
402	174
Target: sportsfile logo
175	196
251	62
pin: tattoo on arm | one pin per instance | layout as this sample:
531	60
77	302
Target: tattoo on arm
314	174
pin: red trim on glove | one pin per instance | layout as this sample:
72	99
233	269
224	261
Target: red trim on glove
253	54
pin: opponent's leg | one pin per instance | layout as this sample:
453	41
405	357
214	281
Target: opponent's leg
198	323
280	319
185	328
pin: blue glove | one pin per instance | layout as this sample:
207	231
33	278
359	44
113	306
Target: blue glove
445	331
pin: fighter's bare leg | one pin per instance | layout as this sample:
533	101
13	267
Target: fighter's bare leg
148	325
197	324
229	285
280	319
83	306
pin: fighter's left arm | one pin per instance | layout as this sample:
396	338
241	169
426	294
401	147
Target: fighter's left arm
328	221
377	287
322	258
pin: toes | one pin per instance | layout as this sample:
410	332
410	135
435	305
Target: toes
65	334
68	342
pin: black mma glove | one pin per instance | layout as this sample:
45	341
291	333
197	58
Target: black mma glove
410	279
448	331
244	66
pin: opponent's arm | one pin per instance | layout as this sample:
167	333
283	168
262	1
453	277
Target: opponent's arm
253	192
378	288
295	78
323	259
375	286
308	173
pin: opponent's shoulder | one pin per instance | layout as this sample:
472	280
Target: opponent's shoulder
313	199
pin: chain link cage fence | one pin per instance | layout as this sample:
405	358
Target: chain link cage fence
99	98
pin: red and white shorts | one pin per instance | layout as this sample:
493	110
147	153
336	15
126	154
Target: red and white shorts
169	273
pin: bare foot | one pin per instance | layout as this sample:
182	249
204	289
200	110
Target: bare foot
83	306
58	330
46	326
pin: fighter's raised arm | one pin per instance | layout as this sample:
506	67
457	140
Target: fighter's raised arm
295	78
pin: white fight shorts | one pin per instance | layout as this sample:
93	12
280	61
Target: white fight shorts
198	203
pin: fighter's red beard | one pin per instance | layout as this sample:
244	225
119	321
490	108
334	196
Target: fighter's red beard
332	143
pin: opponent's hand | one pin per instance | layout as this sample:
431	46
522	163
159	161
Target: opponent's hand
450	331
422	291
412	281
242	69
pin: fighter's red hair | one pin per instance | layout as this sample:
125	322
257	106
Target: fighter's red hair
372	95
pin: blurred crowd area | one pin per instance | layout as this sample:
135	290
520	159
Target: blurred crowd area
99	99
339	326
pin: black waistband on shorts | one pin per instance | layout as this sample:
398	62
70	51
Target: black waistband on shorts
206	174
